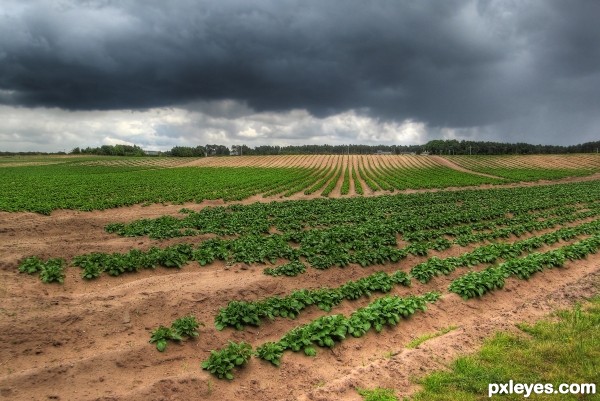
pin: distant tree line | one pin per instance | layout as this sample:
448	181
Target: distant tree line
438	147
449	147
110	150
435	147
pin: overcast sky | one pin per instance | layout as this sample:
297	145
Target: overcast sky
166	73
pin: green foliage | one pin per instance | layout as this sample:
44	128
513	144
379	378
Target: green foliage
327	330
161	335
377	394
476	284
31	265
114	185
238	314
221	363
270	352
319	184
50	271
563	349
338	232
515	168
345	189
186	326
331	185
357	185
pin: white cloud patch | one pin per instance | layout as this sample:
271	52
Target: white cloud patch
225	122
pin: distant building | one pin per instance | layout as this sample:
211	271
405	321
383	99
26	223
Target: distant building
381	152
152	152
425	153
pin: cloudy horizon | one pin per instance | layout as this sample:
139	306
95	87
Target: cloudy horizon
158	74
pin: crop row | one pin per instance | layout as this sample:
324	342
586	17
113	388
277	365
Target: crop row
62	185
323	332
521	168
491	253
475	284
408	214
243	313
327	330
364	244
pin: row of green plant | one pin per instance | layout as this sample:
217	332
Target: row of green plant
502	225
357	239
357	185
479	283
221	362
365	177
321	183
43	189
408	215
240	313
245	313
331	184
491	253
365	245
345	189
324	332
183	327
518	168
114	264
305	179
50	271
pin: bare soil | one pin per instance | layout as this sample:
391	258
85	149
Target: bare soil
89	340
454	166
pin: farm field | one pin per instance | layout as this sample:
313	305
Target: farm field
330	287
97	183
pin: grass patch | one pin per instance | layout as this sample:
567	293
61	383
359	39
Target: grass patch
565	349
420	340
377	394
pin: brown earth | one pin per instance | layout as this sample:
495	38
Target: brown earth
573	161
89	340
454	166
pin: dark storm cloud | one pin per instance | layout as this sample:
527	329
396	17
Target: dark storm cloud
448	63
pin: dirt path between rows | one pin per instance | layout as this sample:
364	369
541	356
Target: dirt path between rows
455	166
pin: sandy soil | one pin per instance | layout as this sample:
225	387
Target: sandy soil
454	166
89	340
574	161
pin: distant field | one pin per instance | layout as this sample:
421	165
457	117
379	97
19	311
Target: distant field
531	167
43	184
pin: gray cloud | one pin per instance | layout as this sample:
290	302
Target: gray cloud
492	69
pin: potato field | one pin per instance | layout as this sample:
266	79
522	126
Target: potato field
300	277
